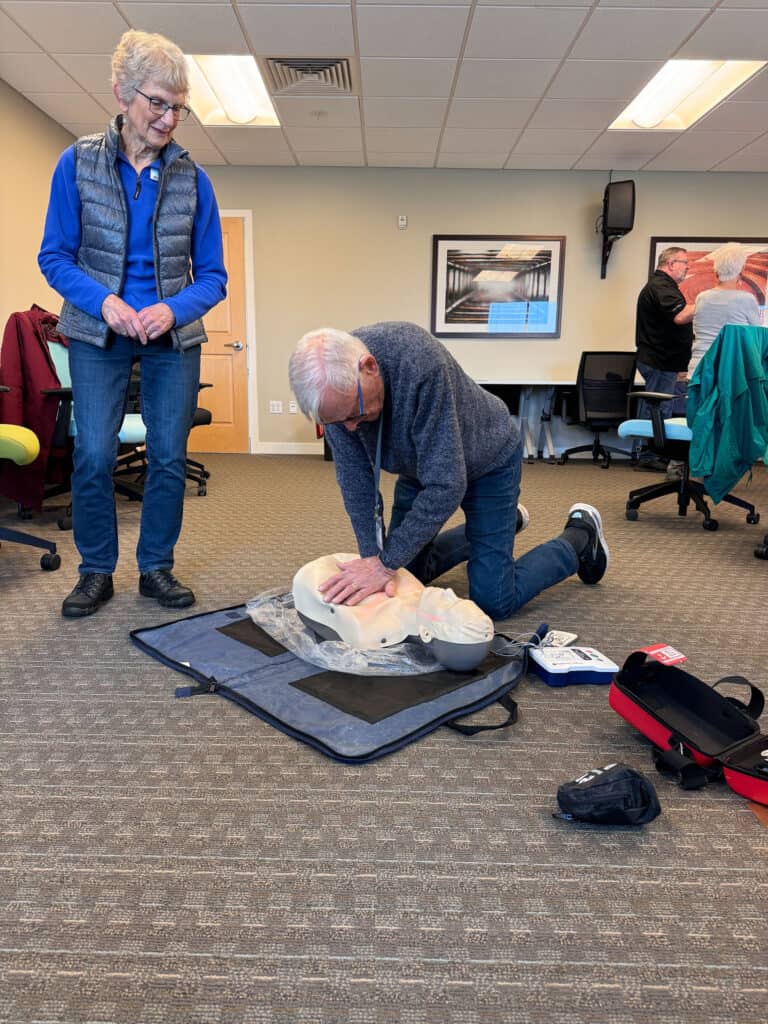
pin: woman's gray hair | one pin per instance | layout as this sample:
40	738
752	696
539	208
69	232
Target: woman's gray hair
144	56
729	261
324	360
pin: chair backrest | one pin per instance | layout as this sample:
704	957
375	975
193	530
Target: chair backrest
603	383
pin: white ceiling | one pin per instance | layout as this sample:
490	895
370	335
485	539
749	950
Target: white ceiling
438	83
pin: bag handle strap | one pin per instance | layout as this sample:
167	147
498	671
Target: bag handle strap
506	702
678	763
756	698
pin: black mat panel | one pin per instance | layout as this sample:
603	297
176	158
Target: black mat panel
247	632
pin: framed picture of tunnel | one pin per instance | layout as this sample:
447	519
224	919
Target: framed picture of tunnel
701	270
497	286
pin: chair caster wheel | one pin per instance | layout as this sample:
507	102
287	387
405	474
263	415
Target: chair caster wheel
50	562
202	490
710	524
753	517
761	551
25	513
562	460
65	523
631	514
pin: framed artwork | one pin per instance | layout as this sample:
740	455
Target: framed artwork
497	286
701	271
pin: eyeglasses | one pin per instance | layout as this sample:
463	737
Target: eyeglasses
684	262
349	419
160	107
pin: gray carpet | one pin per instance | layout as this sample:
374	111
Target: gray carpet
181	861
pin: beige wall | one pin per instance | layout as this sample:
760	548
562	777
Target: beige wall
31	146
327	249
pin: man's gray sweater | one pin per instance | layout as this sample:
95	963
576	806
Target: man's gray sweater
440	428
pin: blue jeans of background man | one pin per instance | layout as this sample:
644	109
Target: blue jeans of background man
169	387
662	381
498	583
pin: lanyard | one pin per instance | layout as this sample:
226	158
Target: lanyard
378	513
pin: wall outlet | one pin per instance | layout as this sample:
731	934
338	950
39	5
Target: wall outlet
275	406
293	407
402	222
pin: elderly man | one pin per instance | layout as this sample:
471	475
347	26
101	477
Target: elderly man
391	396
663	332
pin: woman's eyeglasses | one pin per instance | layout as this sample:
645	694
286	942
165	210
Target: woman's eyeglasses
160	107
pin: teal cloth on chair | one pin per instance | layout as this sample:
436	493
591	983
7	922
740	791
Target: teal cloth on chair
728	408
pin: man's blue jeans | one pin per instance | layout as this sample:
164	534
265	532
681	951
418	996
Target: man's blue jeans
664	382
498	583
169	387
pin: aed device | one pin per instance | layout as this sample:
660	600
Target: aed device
563	666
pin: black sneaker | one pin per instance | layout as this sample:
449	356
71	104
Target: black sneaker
523	518
593	561
91	591
163	586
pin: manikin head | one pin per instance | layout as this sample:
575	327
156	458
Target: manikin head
457	633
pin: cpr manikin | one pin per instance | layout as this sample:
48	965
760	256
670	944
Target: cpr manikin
456	632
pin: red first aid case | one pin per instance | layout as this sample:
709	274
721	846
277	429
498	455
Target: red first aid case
675	710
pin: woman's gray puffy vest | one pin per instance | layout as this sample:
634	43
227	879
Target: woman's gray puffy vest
104	225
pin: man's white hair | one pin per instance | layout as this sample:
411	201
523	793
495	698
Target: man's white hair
729	261
325	359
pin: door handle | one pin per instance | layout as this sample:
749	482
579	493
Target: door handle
236	345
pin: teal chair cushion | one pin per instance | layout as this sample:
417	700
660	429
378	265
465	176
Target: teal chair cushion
132	431
676	429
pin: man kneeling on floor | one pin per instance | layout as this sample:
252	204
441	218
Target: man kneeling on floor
395	388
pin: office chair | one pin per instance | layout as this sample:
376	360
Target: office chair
21	446
603	384
671	439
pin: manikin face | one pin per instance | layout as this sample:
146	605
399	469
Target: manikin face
144	130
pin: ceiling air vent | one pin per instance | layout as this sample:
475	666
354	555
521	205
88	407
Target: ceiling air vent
309	76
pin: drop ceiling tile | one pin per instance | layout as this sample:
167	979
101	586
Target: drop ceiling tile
195	27
259	159
83	127
35	71
661	3
602	79
635	34
318	111
209	158
680	162
478	140
608	162
584	114
490	113
392	112
734	116
584	4
389	77
735	35
541	161
755	89
12	39
107	100
353	158
505	79
758	4
402	140
70	27
752	158
400	159
256	141
506	32
484	161
633	143
73	108
717	145
416	3
291	30
324	139
93	71
413	31
543	140
192	137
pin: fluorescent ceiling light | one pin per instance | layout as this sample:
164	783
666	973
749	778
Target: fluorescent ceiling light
229	90
682	92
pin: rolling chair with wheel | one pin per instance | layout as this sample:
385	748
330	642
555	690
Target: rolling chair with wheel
603	384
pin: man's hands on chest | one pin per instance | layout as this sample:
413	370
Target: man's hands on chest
357	580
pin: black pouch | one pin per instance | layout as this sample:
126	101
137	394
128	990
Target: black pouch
614	795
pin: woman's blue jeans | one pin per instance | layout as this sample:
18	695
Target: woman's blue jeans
169	388
498	583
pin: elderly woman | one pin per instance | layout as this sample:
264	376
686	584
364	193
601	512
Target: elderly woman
133	244
726	303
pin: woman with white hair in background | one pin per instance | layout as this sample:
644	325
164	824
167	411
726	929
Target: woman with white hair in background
726	303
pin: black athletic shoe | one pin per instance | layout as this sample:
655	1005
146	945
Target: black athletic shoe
163	586
593	561
523	518
91	591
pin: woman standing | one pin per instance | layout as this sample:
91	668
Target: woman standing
726	303
133	244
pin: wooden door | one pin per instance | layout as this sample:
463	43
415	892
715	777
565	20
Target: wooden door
224	362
